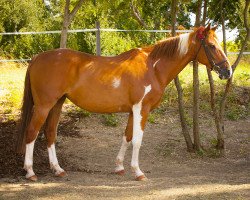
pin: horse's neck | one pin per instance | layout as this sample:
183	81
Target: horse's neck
171	56
169	68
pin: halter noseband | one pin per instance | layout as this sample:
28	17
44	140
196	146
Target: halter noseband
215	66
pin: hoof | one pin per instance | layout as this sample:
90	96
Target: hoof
61	174
32	178
121	172
141	178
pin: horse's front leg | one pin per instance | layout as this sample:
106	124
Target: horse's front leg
125	143
140	115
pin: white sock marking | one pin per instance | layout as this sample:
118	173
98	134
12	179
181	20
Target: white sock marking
137	134
183	44
28	161
53	160
116	82
121	154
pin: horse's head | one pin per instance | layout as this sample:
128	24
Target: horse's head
210	53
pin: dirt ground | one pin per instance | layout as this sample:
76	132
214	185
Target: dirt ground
87	150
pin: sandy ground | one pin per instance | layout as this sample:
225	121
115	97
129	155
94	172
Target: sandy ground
173	173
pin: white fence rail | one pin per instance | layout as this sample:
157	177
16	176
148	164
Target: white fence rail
92	30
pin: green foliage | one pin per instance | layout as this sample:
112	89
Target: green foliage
213	153
232	46
24	15
214	142
153	117
233	16
110	120
75	111
200	152
237	112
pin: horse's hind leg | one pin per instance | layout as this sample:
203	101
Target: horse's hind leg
50	132
39	116
125	143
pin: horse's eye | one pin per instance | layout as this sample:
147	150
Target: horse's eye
212	46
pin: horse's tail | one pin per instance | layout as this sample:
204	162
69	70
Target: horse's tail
26	113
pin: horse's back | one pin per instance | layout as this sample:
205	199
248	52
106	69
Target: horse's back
95	83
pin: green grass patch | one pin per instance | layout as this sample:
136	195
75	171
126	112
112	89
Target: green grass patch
110	120
11	88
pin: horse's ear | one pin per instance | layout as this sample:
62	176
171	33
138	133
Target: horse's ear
215	27
208	28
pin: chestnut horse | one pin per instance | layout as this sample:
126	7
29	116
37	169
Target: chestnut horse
131	82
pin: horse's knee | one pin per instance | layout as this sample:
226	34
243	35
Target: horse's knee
31	135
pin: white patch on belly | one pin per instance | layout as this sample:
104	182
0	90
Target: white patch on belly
116	82
154	65
183	44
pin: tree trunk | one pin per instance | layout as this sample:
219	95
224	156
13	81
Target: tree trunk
204	18
196	97
137	15
196	112
220	138
184	127
65	26
223	27
220	143
67	19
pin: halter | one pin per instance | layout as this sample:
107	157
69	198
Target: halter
215	66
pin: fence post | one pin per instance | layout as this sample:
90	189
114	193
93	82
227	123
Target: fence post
98	38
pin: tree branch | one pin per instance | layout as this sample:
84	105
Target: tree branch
137	15
75	9
247	38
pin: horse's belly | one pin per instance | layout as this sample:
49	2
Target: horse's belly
104	100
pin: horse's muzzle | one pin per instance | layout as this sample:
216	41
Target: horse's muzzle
225	73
